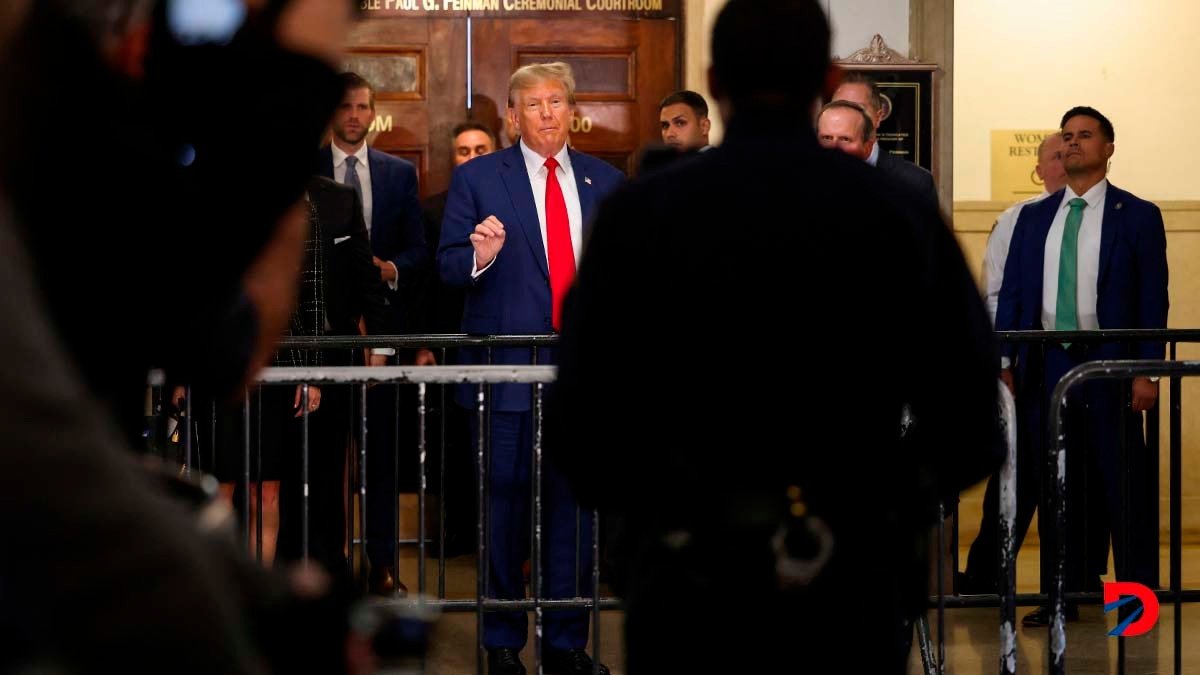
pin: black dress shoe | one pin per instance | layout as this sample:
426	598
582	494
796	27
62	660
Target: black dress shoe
1040	617
505	661
569	662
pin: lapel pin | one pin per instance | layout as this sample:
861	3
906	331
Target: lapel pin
1119	205
589	181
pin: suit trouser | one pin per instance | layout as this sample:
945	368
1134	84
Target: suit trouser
382	488
327	436
1103	480
567	568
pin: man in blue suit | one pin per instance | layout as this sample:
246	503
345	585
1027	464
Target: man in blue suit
1090	257
387	187
542	194
386	184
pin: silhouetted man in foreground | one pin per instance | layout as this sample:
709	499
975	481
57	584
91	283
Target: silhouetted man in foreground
805	504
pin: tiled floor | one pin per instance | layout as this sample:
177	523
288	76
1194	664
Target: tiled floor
972	635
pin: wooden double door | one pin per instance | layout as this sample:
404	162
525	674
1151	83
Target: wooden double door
423	71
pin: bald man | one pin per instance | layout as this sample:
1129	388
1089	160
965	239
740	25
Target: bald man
858	88
846	126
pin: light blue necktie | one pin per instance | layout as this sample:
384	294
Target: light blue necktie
352	176
1066	313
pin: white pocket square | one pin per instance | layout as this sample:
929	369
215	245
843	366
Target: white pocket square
338	240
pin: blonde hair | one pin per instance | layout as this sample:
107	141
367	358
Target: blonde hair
527	76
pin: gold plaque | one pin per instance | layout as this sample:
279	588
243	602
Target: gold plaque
1014	157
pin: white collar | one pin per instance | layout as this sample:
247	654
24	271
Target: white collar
534	161
339	156
1092	196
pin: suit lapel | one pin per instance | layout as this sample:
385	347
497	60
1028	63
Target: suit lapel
1109	224
583	184
378	193
1041	226
516	182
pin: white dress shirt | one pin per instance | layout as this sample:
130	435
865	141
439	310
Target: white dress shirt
535	166
874	156
363	169
997	251
1087	258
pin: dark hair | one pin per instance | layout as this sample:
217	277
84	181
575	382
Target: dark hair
858	77
690	98
352	81
472	125
1088	111
868	125
771	53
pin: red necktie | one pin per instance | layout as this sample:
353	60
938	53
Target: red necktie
558	243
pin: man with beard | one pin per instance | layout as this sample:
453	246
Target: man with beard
387	187
1091	257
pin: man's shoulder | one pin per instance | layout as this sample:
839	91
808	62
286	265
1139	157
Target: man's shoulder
1128	200
1014	210
889	162
485	165
392	162
596	167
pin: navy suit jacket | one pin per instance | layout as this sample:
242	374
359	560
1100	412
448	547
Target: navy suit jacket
396	231
1131	291
513	296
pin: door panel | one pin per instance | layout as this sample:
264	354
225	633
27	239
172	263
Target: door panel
623	68
418	67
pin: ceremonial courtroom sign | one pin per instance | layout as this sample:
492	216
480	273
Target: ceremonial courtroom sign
654	9
1014	157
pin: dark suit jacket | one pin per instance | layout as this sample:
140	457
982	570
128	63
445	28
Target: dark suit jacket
513	296
437	307
353	288
711	256
1131	291
396	233
909	177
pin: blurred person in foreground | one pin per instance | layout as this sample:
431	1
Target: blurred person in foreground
805	509
144	239
112	571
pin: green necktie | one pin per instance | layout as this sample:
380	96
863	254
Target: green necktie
1066	314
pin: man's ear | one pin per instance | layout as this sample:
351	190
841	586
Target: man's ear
705	125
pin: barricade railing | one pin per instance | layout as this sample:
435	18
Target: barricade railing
1057	442
1006	600
480	376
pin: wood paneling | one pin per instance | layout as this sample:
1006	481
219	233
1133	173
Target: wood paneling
623	69
421	78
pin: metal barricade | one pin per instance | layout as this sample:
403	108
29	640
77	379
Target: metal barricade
1099	370
481	376
422	377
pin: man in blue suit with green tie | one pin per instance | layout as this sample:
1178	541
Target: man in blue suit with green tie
1091	257
514	229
